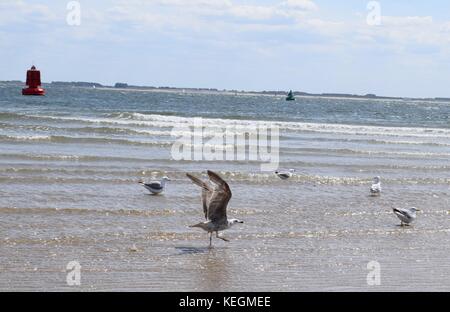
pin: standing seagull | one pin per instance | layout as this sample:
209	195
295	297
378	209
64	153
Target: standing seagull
375	189
215	201
286	174
155	187
406	215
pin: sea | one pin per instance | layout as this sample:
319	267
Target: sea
73	216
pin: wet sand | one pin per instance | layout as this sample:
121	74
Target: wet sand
70	163
287	244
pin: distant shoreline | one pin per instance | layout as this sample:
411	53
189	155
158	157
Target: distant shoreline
124	88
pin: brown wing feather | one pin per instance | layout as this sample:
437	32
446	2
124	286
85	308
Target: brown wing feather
206	198
206	192
217	208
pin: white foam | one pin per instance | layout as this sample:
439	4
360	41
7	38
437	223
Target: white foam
162	121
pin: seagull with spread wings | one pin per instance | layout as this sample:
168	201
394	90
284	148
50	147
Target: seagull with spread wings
215	198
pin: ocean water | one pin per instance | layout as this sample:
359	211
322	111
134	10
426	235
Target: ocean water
70	163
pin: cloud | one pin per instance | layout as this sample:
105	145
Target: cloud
252	12
219	4
406	21
17	11
221	10
407	31
285	9
231	23
307	5
226	21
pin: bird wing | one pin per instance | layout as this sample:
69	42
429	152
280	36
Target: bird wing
154	185
403	212
217	209
207	192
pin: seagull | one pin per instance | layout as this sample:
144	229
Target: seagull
155	187
215	200
406	215
375	189
284	175
133	248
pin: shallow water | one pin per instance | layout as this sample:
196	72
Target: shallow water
70	163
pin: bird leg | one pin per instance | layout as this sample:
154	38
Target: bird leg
222	238
210	240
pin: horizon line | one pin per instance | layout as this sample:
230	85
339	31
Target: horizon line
125	86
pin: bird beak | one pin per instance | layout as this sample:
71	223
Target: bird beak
418	210
241	222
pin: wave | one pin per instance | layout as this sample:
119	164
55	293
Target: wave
97	159
120	212
88	140
65	180
77	158
207	134
105	140
116	130
288	125
68	171
133	177
10	126
170	121
7	115
171	212
168	133
158	236
371	141
348	151
109	171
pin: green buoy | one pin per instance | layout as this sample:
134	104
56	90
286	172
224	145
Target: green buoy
290	96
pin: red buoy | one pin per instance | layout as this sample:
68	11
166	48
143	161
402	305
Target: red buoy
33	83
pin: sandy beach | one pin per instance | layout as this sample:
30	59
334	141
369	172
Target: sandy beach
70	164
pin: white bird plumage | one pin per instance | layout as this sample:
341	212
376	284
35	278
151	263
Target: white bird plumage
406	215
375	189
285	174
156	187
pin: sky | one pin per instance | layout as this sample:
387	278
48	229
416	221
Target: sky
386	47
